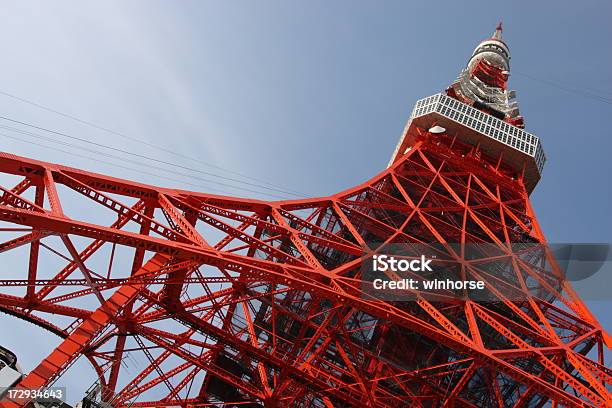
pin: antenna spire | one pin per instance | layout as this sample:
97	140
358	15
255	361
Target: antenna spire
498	31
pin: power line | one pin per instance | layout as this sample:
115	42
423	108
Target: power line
139	170
144	142
95	159
587	93
142	156
123	159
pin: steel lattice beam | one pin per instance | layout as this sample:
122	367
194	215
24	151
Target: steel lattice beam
270	297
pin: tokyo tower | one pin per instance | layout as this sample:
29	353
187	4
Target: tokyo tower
184	299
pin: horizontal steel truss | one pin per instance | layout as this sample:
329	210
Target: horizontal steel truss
251	302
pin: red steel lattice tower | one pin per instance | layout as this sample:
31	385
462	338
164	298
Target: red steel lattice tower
179	298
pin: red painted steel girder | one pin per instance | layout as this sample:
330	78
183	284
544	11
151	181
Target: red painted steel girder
218	299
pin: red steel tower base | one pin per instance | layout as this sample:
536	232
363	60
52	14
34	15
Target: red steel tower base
179	298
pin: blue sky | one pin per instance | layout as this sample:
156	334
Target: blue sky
308	95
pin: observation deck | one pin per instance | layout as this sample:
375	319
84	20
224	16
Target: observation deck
518	149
